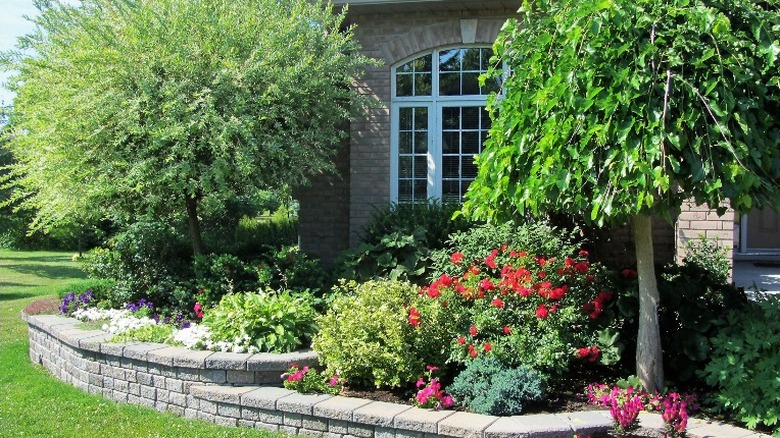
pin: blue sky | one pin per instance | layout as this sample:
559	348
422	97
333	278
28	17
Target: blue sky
12	26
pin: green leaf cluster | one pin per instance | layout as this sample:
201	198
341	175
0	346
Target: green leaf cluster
744	364
616	108
277	322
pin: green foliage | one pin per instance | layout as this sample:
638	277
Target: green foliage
308	381
476	243
159	333
434	217
128	108
397	256
398	242
220	274
624	107
744	362
269	321
692	301
487	387
366	337
710	257
146	260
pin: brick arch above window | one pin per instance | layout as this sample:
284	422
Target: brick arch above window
450	33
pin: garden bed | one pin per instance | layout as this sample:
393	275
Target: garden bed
243	390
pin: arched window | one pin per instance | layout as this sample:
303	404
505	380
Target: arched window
439	123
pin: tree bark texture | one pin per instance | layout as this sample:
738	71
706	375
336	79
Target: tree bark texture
649	355
194	223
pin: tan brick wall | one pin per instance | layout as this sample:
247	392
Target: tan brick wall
700	220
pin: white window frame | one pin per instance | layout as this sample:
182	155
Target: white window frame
434	103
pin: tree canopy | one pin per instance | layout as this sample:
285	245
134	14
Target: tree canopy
127	108
621	109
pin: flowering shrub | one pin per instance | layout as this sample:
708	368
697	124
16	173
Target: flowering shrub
625	403
307	381
525	309
71	302
430	395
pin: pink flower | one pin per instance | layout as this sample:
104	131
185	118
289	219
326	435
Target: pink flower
198	310
334	380
431	368
447	401
498	302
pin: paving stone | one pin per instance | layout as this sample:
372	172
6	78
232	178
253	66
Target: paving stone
93	343
339	408
360	430
384	432
213	376
466	425
376	413
315	423
719	430
420	420
300	403
228	410
222	394
522	426
192	359
588	422
265	397
281	362
139	350
227	361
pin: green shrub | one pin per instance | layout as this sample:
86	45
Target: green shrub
159	333
255	237
708	256
477	243
487	387
292	269
367	339
744	363
146	260
220	274
398	242
268	321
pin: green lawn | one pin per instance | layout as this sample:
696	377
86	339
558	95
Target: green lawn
32	403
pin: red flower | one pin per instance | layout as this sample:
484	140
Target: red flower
583	352
486	284
414	317
629	274
474	270
507	330
584	253
456	258
498	302
594	354
487	347
461	340
542	274
473	330
542	312
490	261
472	351
558	292
582	267
432	292
541	261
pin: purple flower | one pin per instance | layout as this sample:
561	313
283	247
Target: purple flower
185	324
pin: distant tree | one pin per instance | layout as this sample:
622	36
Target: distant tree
128	108
621	109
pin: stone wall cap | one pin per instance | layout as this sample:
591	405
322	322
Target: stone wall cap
420	420
222	394
378	413
265	397
339	408
466	424
227	361
297	403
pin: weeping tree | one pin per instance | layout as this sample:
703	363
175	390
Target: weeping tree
619	110
130	108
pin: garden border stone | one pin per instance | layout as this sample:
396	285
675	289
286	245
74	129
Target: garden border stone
223	388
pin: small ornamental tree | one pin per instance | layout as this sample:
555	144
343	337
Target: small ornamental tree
622	109
146	107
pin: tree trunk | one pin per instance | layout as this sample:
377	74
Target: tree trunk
649	356
192	219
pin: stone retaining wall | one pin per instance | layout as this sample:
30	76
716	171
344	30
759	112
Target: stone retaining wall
225	388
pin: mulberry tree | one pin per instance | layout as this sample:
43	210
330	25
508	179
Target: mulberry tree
623	109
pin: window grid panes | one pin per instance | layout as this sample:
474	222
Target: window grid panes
441	88
412	154
464	129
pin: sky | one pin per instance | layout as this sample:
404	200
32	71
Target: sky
12	26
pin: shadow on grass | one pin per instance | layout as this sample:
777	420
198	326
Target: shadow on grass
11	284
22	257
47	271
5	296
